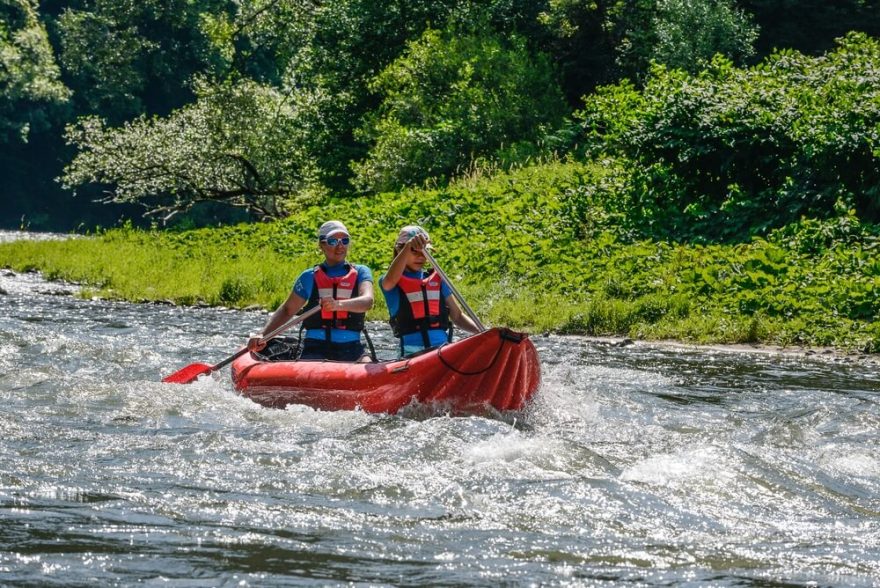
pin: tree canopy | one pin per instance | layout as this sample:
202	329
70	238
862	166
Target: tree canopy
240	143
452	98
31	91
258	103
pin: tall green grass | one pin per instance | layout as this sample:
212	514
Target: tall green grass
510	246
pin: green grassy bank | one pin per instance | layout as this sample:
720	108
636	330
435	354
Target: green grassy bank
510	246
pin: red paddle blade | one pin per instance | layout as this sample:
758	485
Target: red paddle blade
188	374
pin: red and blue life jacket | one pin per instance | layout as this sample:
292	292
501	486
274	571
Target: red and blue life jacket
422	307
339	288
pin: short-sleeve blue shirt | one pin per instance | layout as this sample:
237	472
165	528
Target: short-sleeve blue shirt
412	342
304	285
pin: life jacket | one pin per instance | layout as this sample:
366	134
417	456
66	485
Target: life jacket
341	288
422	307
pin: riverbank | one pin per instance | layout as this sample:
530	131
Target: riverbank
509	245
34	283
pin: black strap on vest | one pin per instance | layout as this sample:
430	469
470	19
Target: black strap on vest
404	323
354	322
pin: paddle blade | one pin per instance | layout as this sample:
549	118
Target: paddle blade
188	374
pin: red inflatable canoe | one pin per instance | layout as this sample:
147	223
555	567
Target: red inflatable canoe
497	368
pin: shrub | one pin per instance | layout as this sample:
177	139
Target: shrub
732	153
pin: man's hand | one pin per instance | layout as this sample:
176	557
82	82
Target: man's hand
256	343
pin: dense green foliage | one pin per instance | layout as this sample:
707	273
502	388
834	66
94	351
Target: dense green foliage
732	153
451	98
241	144
129	58
509	246
688	34
30	88
596	43
143	67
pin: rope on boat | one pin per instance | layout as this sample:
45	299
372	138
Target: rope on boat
478	372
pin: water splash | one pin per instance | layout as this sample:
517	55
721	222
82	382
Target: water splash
640	464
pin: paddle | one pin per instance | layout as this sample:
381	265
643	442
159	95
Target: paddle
191	372
455	292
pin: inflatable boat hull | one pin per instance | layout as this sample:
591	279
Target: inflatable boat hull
498	368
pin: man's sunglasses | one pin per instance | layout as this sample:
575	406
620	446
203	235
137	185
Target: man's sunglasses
334	241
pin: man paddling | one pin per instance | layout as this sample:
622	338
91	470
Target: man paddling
344	291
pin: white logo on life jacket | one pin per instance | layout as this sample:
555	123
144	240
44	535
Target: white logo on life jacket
345	284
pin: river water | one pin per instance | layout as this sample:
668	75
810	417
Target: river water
636	465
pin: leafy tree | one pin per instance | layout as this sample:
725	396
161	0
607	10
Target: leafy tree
452	98
687	34
238	143
336	48
345	44
125	58
303	54
734	152
601	41
582	36
31	91
258	38
306	49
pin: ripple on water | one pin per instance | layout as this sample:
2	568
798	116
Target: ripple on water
635	464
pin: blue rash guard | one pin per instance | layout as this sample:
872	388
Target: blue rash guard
412	342
304	285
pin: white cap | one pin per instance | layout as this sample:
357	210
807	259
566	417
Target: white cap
331	227
408	232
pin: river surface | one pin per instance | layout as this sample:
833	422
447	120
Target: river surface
636	465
